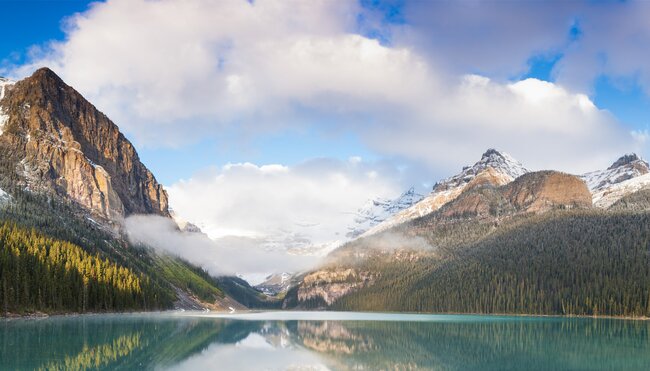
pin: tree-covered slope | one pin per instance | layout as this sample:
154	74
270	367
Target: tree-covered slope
63	223
42	273
581	263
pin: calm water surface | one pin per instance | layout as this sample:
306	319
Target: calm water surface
322	341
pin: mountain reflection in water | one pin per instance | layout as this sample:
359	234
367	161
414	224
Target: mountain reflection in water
380	342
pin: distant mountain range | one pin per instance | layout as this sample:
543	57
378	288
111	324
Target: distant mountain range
381	214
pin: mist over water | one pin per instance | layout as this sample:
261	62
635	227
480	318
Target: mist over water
322	341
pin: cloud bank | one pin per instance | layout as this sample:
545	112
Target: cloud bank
280	207
172	71
218	259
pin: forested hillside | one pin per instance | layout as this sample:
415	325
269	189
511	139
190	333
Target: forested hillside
42	273
40	222
533	246
580	263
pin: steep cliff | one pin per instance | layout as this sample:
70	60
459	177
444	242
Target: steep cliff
54	141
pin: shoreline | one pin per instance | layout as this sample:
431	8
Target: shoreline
43	315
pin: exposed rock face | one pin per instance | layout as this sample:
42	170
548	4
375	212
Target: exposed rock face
330	285
478	203
533	192
57	141
544	190
609	196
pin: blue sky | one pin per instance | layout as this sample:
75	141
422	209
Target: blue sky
35	22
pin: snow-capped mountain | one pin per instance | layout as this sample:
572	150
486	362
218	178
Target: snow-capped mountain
378	210
627	175
607	197
184	225
275	284
494	167
627	167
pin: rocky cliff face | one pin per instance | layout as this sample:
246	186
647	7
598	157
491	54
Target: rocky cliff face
627	175
54	140
327	286
544	190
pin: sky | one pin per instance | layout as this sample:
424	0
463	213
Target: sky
274	121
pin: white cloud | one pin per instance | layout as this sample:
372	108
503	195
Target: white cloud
276	207
172	71
613	42
498	38
495	38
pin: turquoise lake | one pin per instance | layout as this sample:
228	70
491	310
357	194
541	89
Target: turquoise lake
322	341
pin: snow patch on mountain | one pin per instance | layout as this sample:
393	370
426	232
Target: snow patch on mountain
607	197
4	196
4	83
627	167
378	210
275	284
505	167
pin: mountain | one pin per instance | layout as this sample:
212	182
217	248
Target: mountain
626	167
535	245
494	167
378	210
480	210
276	284
53	140
625	176
68	178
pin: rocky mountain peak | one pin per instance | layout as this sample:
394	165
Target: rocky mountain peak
500	161
57	141
535	192
490	153
628	159
542	190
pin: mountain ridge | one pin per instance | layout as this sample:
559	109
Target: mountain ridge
504	170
